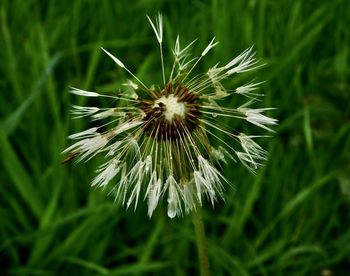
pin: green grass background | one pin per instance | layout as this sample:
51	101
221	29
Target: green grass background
292	218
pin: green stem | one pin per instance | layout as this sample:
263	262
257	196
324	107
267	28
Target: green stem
197	220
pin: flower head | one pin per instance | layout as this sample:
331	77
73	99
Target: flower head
157	141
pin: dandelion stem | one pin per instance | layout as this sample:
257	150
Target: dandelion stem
197	220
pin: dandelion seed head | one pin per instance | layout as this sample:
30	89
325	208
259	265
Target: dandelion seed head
158	141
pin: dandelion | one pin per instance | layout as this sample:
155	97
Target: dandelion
157	140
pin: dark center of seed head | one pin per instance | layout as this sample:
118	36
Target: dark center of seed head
172	114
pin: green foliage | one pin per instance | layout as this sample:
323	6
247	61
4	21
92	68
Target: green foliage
292	218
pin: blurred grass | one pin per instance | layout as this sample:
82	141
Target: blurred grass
290	219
